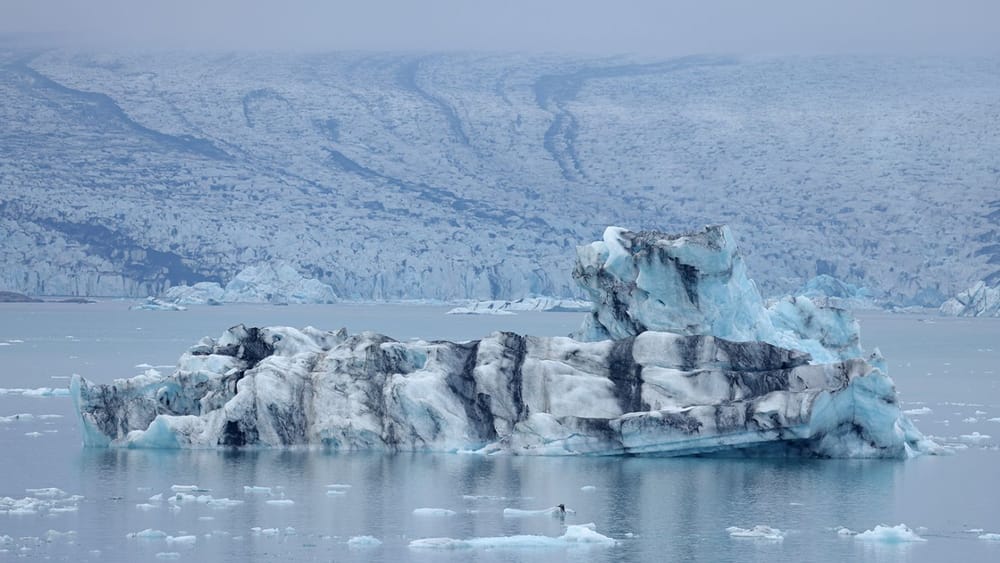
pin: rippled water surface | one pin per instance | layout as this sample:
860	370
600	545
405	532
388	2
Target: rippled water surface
656	509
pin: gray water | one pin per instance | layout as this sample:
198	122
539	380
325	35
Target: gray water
658	509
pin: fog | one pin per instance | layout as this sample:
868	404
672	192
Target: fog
576	26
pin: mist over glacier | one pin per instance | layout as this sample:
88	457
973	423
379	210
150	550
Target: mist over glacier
457	176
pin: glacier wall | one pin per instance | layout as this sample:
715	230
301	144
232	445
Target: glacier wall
460	176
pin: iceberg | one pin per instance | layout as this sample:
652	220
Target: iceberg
525	304
980	300
277	283
836	292
679	356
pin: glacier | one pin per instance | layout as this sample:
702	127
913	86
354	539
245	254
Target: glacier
678	357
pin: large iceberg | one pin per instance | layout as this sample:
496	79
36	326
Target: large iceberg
713	373
277	283
980	300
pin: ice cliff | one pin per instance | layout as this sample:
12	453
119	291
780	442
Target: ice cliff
679	357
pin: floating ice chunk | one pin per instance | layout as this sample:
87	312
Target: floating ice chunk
290	531
222	503
206	518
258	531
185	488
844	531
182	540
918	411
168	555
970	419
519	513
280	502
148	534
582	535
33	434
54	535
20	417
46	492
46	392
146	506
338	486
255	490
157	497
433	512
759	531
49	416
335	493
975	437
890	534
588	488
362	542
995	419
989	537
974	531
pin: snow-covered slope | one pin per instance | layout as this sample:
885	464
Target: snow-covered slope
667	382
451	177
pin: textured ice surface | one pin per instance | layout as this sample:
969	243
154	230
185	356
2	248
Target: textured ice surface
581	535
154	304
363	542
697	284
679	357
899	533
525	304
980	300
436	512
278	283
759	531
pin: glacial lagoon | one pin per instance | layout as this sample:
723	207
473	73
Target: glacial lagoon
64	502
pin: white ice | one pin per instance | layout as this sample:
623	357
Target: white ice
438	512
899	533
581	535
361	542
757	532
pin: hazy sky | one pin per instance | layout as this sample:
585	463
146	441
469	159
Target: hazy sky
614	26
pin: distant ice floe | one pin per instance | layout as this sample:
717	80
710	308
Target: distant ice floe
918	411
845	531
519	513
974	438
580	535
989	537
40	392
588	488
549	304
148	534
280	502
437	512
168	555
256	490
154	304
899	533
759	532
363	542
45	501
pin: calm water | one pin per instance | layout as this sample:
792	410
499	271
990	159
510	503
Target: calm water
658	509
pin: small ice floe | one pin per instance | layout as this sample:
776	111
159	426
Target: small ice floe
46	492
581	535
845	531
979	413
280	502
588	488
206	518
158	497
20	417
436	512
336	493
363	542
495	498
187	541
186	488
974	531
338	486
899	533
554	511
989	537
256	490
168	555
33	434
970	419
974	438
918	411
290	531
994	419
795	504
146	506
54	535
258	531
43	392
758	532
49	416
147	534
